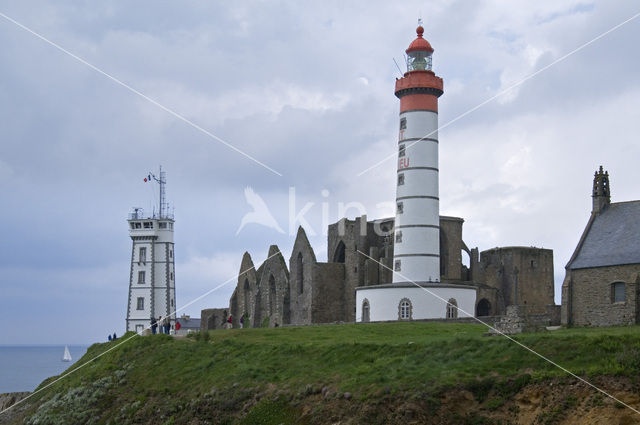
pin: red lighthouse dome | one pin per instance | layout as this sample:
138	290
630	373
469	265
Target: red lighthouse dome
420	43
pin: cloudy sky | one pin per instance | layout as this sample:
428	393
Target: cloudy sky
307	89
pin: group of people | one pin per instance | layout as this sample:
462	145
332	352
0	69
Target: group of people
112	338
162	325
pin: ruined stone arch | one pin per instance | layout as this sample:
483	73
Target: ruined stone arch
339	253
483	308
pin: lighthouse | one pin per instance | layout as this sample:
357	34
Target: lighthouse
152	285
416	254
416	291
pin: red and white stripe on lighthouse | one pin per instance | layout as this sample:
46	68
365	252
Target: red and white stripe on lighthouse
417	224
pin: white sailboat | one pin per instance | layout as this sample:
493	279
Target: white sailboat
66	357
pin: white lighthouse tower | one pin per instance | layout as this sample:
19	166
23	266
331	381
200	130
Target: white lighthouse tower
152	290
416	255
416	291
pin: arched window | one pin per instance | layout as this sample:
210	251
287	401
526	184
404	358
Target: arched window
452	309
365	311
483	308
618	292
272	295
405	310
338	256
300	273
247	295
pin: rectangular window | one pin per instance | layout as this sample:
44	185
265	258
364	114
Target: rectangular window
171	253
133	226
141	277
400	179
138	225
403	123
139	329
401	151
148	225
171	226
140	303
171	276
143	255
162	225
398	266
400	207
618	292
399	236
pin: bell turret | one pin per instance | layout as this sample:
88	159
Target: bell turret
601	191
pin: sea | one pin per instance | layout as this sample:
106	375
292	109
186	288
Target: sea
23	368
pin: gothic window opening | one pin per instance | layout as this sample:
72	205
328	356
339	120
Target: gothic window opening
365	311
405	309
272	295
452	309
338	256
483	308
300	273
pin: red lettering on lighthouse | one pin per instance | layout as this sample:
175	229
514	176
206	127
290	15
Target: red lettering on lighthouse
403	163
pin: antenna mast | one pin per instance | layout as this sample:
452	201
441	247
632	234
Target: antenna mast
163	200
163	210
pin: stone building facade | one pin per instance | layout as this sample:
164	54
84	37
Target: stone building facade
602	280
360	253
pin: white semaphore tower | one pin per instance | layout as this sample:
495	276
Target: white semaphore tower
416	255
152	290
416	291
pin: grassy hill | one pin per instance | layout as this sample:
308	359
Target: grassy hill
370	373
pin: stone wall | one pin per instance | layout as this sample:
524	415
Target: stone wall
524	275
519	319
328	289
451	247
587	298
491	297
213	318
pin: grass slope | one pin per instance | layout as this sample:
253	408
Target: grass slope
264	375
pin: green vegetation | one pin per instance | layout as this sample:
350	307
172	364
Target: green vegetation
265	376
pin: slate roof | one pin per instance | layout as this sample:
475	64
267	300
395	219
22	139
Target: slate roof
612	239
191	323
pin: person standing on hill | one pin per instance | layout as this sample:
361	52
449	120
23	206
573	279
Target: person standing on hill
167	324
154	325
